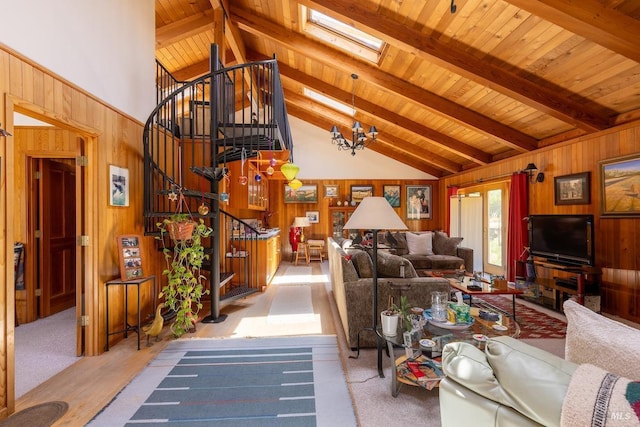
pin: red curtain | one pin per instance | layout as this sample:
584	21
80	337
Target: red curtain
517	232
451	191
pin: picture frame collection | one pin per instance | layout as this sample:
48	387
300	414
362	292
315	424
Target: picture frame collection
418	199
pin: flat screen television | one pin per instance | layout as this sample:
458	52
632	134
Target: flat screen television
562	239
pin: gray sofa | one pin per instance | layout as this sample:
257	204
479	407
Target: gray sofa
511	383
351	281
429	250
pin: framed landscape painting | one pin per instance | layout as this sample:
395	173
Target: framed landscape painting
392	194
359	192
418	202
304	194
620	186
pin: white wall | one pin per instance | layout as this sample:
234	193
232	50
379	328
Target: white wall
318	158
104	47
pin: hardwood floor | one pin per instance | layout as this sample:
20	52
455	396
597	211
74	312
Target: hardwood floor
90	384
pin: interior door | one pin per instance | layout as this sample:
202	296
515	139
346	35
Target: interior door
57	193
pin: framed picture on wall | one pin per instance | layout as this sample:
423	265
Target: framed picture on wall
359	192
620	186
331	190
572	189
392	194
314	216
418	202
304	194
118	186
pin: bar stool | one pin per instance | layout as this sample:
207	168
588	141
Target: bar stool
303	250
315	248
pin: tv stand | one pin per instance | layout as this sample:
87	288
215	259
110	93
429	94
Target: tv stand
556	283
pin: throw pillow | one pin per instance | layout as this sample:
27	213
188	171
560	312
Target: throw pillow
420	244
401	243
390	265
444	245
391	241
603	342
362	262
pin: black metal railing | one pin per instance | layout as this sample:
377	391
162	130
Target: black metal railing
197	128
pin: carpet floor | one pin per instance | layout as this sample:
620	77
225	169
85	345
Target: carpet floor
292	381
533	323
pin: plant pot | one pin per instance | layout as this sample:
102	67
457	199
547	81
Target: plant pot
389	324
182	230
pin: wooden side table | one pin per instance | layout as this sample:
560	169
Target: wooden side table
126	283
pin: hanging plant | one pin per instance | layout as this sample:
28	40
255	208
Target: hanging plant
184	258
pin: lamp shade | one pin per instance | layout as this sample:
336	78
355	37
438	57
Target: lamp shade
301	221
374	213
289	170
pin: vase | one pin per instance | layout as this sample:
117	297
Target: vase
389	324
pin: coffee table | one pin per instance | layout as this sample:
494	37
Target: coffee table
443	335
487	289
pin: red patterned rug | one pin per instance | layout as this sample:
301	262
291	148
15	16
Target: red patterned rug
533	323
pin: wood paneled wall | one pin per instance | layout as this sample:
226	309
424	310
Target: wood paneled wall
617	240
110	137
284	213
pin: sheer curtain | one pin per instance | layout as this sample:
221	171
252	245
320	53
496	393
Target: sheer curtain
466	221
517	233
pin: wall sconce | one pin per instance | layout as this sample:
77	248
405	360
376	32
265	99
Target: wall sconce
3	132
531	170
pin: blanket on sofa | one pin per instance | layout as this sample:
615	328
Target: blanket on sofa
599	398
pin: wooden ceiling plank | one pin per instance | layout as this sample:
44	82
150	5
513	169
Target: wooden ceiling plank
335	59
592	20
437	138
328	117
489	73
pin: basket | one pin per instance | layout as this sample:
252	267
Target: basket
182	230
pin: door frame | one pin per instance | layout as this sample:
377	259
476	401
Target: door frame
86	224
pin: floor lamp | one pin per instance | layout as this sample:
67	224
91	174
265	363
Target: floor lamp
375	214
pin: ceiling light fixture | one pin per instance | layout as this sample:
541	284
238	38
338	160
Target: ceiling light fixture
358	137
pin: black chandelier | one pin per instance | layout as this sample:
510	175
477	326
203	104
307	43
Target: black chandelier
359	139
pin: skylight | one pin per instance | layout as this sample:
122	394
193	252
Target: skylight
343	36
317	96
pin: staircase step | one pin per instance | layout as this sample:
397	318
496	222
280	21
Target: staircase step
225	277
212	174
237	293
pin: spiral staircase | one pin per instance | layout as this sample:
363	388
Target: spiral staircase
197	129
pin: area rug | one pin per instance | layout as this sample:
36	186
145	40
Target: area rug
533	323
291	304
293	381
42	415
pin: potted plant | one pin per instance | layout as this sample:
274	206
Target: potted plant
184	288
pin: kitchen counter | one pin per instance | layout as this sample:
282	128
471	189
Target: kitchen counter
265	235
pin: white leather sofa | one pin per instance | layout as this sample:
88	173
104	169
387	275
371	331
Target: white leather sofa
511	383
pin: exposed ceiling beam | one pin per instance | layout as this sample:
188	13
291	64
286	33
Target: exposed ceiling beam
335	59
326	117
437	138
380	146
591	20
489	72
184	28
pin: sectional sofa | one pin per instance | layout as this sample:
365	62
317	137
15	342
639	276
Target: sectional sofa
352	285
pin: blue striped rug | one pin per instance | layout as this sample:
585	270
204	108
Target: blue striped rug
293	381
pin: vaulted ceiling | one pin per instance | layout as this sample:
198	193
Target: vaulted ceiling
448	91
